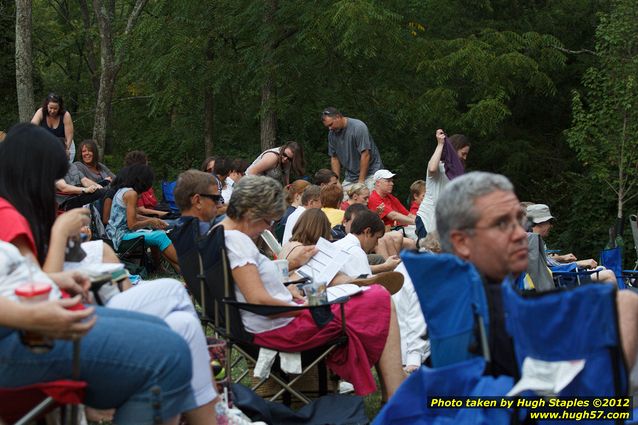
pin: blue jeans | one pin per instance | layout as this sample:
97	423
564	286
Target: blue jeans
131	361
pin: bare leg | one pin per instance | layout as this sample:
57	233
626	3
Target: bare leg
392	373
409	244
627	304
171	255
202	415
108	255
605	276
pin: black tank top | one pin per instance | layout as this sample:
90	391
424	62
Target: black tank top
57	132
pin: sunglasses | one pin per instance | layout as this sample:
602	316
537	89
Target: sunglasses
288	157
215	198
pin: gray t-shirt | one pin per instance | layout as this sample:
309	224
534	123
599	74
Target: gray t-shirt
347	145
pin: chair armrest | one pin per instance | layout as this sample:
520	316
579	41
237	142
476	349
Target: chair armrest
269	310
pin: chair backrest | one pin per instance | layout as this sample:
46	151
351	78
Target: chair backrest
579	323
204	265
537	265
611	258
454	305
168	196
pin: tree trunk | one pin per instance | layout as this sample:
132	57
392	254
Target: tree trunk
23	58
268	133
110	61
268	125
209	124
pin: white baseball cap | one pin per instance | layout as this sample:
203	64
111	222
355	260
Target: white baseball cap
383	174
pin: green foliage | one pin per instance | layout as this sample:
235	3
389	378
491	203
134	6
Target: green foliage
604	130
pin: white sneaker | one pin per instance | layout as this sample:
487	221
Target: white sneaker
345	387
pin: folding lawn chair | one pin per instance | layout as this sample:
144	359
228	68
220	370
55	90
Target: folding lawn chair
20	406
578	323
168	196
204	265
454	304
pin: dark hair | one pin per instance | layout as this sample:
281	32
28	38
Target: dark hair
331	196
239	165
92	146
139	177
330	111
353	210
323	176
366	219
298	163
459	141
311	192
223	167
206	162
31	161
52	97
312	224
135	157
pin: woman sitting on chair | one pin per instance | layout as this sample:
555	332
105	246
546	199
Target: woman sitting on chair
371	325
124	221
312	225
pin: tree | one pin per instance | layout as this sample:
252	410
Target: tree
112	53
24	61
604	131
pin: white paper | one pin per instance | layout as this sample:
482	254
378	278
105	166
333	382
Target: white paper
325	264
344	290
546	378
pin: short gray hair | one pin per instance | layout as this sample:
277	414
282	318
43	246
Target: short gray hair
455	209
256	197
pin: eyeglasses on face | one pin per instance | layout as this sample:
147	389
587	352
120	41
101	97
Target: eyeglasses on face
215	198
505	225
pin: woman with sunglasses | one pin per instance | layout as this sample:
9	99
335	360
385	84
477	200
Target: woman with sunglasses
279	162
57	120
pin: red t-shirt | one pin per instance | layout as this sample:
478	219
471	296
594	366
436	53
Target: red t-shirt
147	199
13	224
414	208
390	203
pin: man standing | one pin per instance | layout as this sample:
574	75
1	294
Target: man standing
479	219
381	199
350	146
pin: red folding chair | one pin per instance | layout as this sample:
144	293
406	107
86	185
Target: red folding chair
23	404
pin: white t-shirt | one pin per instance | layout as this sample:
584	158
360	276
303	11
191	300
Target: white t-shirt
290	223
242	251
433	187
14	271
357	264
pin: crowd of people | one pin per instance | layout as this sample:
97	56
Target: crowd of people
351	205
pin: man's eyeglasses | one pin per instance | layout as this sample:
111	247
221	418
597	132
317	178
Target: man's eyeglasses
215	198
505	225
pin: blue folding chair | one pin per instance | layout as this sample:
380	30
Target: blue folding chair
578	323
611	259
409	405
454	305
168	196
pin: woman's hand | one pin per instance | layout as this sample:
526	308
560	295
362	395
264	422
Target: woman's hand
158	224
440	136
73	282
54	319
71	222
392	262
296	294
299	257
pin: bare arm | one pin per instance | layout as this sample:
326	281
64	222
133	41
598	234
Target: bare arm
363	165
335	165
433	164
68	189
267	162
37	117
249	283
52	318
151	211
66	225
68	130
400	218
135	221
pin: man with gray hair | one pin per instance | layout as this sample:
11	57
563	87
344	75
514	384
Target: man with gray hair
479	219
